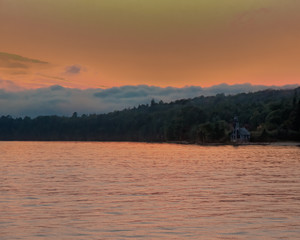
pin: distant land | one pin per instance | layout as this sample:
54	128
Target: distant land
269	115
62	101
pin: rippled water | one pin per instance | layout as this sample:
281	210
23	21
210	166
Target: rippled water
82	190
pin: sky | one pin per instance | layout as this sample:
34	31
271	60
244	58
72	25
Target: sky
112	43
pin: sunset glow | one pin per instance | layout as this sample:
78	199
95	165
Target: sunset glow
101	44
149	119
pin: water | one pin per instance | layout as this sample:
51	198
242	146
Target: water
82	190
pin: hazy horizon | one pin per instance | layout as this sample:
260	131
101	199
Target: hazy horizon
62	56
58	100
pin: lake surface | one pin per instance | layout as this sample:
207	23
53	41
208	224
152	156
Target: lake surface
92	190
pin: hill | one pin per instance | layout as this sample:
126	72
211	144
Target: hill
270	115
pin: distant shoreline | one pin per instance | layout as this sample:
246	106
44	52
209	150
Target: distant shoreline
281	143
267	117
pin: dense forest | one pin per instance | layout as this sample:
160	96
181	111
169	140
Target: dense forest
270	115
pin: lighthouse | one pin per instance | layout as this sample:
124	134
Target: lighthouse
239	134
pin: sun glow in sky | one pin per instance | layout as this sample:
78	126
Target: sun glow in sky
106	43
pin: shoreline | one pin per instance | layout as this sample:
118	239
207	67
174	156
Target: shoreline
279	143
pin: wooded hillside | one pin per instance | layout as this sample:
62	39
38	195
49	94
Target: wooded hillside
271	115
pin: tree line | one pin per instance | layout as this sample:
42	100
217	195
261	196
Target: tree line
270	115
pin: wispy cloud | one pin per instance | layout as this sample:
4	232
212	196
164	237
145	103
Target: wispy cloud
57	100
14	58
52	77
13	64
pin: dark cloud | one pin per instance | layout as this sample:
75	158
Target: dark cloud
13	64
125	92
51	77
7	57
56	88
73	69
5	95
57	100
144	93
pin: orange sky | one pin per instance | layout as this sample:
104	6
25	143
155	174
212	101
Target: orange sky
90	44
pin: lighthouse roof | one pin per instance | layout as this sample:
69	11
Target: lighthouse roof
244	131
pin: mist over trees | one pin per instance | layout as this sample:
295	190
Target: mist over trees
270	115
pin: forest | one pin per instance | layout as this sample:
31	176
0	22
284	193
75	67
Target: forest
270	115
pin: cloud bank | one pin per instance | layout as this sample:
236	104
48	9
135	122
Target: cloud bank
9	86
57	100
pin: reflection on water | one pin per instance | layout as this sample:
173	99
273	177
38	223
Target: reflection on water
69	190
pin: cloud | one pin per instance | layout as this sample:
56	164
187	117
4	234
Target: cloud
73	69
18	72
13	64
7	85
51	77
8	57
57	100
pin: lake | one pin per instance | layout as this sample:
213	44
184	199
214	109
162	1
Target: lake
95	190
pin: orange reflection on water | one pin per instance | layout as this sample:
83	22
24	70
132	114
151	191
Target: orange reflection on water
83	190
